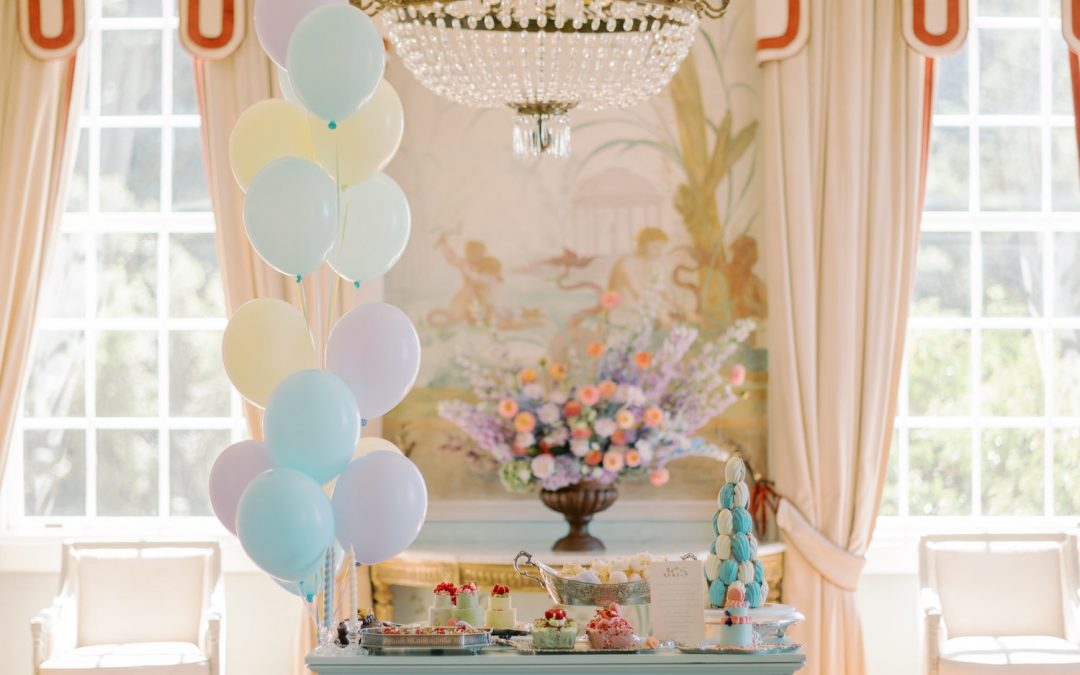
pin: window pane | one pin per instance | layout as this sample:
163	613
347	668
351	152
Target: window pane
195	280
1066	274
78	197
127	473
938	369
198	386
1067	472
65	290
940	472
1067	373
947	171
1010	169
1060	81
1008	70
131	72
127	275
942	275
1012	472
191	454
54	472
189	181
130	169
1011	374
131	8
56	385
951	88
126	373
890	497
1009	7
183	80
1012	274
1065	176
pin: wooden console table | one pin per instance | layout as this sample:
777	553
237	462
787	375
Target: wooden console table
486	564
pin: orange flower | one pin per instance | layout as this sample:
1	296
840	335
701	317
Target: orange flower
633	458
589	395
608	388
619	437
572	408
595	349
613	461
557	371
654	417
528	375
508	407
659	476
609	300
625	419
524	422
594	457
643	360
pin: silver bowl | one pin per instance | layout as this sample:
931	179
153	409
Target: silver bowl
570	592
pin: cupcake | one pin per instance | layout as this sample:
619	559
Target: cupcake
554	631
608	630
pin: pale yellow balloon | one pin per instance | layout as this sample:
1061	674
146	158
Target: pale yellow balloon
265	341
364	143
369	444
266	131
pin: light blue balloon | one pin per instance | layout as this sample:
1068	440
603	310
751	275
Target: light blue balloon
285	523
312	424
306	588
290	215
335	61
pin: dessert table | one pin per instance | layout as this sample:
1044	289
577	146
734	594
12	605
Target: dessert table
507	661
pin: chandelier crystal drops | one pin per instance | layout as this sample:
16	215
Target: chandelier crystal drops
543	58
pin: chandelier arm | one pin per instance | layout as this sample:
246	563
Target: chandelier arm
712	9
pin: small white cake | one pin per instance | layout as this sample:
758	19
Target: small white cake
736	630
442	610
468	605
500	615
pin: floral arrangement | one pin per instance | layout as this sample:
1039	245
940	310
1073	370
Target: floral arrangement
629	406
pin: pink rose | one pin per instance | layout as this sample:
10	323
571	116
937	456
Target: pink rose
659	476
738	375
589	394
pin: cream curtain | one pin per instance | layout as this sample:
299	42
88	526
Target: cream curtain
39	104
844	129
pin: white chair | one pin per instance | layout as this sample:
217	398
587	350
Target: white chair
997	603
134	609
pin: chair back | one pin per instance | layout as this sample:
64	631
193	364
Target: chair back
1002	584
140	592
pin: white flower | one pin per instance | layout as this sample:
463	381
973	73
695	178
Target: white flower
534	390
548	413
634	395
645	449
579	446
604	427
558	396
524	474
525	440
543	466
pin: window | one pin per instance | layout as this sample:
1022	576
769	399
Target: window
127	403
988	415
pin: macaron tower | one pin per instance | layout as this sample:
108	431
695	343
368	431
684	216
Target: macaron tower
732	560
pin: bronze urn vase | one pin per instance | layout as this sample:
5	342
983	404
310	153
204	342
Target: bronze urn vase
578	503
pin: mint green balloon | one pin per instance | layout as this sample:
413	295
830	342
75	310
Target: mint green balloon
290	213
335	61
285	523
312	424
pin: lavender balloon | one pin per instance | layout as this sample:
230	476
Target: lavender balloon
380	502
374	348
276	19
234	468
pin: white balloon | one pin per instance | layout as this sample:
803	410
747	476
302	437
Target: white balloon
376	229
370	444
374	348
380	503
287	91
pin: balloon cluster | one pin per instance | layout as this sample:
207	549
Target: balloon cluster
311	168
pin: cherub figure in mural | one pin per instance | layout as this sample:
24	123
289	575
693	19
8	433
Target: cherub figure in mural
578	332
747	290
634	272
474	303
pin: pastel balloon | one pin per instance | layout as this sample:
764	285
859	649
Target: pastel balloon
264	132
311	424
286	88
375	232
285	523
380	502
275	21
374	348
363	144
265	341
310	586
233	470
370	444
290	214
335	60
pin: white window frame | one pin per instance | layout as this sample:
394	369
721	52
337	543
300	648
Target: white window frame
164	223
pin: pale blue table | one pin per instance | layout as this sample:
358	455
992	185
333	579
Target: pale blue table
506	661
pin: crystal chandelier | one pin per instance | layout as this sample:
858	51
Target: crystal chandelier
543	58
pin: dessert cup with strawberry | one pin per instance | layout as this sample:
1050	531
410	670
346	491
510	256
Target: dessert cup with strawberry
554	631
608	630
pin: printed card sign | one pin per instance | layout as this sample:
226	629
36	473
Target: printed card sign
678	601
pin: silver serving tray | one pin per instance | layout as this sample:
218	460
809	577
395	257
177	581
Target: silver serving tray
766	648
570	592
376	640
580	647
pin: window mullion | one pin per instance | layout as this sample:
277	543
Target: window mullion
975	206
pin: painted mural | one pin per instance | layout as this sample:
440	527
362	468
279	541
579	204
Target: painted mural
517	254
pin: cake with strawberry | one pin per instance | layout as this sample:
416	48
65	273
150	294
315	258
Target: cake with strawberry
608	630
444	597
735	629
554	630
468	605
500	615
